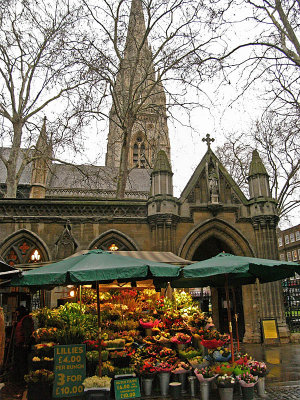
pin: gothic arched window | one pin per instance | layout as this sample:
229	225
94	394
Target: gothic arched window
139	156
23	251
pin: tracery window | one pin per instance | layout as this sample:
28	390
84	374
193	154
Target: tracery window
23	251
139	153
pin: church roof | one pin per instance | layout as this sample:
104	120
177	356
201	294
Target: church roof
65	180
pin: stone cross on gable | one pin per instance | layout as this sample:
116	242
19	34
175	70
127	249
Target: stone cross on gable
208	140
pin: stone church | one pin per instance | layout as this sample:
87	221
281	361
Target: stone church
61	209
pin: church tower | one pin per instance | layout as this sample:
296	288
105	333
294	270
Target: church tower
139	101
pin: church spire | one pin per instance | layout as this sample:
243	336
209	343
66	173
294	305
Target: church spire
138	93
136	35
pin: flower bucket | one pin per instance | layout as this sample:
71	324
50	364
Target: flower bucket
164	380
248	393
175	390
182	380
226	393
147	386
97	393
204	389
260	386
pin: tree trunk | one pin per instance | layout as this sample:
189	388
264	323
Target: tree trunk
123	169
11	168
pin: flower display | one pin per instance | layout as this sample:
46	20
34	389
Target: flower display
97	381
126	349
149	322
247	380
181	368
164	367
44	334
181	338
40	375
205	374
225	381
258	368
220	354
146	368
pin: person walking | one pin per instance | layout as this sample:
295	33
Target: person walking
24	328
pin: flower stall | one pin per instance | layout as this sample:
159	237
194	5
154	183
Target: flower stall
143	333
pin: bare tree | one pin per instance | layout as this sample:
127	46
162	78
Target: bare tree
170	45
273	60
277	141
39	75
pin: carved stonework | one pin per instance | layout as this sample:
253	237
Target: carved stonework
66	244
70	209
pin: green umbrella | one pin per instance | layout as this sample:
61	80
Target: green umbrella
229	270
240	271
96	266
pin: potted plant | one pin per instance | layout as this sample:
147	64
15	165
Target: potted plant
225	385
247	382
39	381
97	387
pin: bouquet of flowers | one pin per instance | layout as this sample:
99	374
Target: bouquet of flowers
164	367
145	368
247	380
258	368
205	374
96	381
198	362
181	368
44	348
40	375
225	381
181	338
148	322
220	354
212	339
189	353
242	359
44	334
165	353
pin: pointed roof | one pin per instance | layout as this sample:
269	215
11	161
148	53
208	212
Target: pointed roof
162	163
257	167
136	31
210	156
43	147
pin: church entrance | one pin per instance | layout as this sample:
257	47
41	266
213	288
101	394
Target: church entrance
207	249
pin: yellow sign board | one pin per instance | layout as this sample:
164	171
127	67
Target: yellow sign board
270	331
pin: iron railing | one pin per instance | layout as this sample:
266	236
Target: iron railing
291	294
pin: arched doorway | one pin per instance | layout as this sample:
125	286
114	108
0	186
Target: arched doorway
207	249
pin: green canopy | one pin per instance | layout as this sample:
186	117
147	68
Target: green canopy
240	271
95	265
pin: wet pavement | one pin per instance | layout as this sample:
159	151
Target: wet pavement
283	362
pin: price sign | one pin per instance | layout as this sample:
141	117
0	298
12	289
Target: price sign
69	370
127	388
270	330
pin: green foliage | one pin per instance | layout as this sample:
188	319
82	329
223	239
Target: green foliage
93	356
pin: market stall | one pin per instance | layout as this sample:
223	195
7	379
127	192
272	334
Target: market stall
164	342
